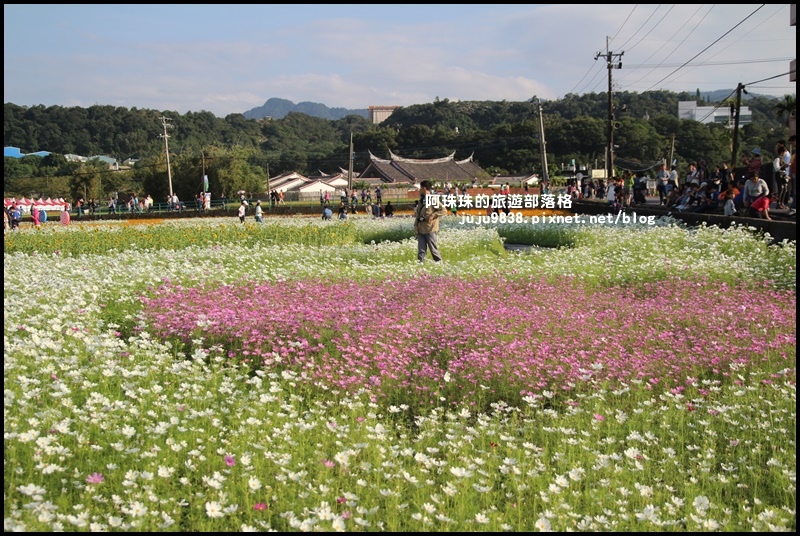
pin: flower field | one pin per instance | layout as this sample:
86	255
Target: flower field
301	375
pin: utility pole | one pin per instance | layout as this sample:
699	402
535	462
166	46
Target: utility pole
542	143
672	150
610	58
268	190
166	149
350	169
735	150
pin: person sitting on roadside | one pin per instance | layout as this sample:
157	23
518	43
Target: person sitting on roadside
703	200
759	208
687	200
754	188
674	195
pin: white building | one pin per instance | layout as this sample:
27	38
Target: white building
378	114
713	114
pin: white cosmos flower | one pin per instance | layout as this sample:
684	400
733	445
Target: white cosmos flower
460	472
254	484
449	489
543	524
214	509
411	478
701	504
165	472
632	453
649	513
31	490
481	518
136	509
343	458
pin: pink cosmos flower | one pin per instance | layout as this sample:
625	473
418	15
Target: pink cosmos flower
328	463
401	359
259	507
230	461
599	417
95	478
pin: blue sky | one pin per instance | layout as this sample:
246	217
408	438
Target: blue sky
231	58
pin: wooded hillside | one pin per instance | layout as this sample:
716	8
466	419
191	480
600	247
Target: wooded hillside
502	136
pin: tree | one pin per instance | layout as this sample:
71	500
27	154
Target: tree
237	170
152	172
786	109
86	181
379	140
501	135
584	136
638	141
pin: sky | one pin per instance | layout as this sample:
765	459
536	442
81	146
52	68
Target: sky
231	58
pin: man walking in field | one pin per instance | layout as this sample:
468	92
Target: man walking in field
426	223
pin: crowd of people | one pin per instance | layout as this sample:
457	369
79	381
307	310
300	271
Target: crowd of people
701	189
705	190
348	204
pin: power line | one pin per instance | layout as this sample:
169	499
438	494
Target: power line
623	25
644	36
715	108
612	39
770	78
637	31
709	63
709	46
640	28
679	44
747	33
743	86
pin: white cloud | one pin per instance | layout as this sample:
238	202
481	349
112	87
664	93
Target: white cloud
231	60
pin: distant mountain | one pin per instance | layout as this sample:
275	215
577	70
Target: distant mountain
721	94
279	108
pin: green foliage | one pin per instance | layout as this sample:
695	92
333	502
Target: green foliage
502	136
786	108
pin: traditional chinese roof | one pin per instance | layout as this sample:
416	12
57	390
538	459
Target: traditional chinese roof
400	170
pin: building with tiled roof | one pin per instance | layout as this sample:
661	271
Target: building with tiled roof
287	181
409	171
